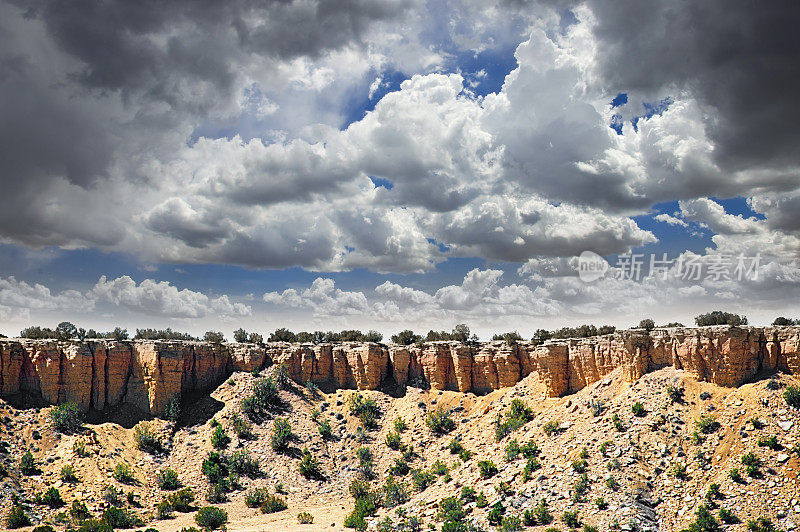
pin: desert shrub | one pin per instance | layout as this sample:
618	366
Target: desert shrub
617	422
242	427
164	509
44	528
512	450
79	448
265	397
495	515
517	416
510	523
273	504
393	440
400	467
281	435
580	465
439	421
750	459
17	518
487	468
439	468
27	465
68	474
728	517
67	418
366	410
51	497
79	512
309	466
395	493
771	442
241	463
762	524
704	521
571	519
612	484
167	479
530	466
580	488
325	430
124	473
679	471
707	425
600	503
757	423
421	479
551	427
538	516
305	518
735	476
638	409
219	439
364	507
211	518
215	467
714	492
455	446
112	495
94	525
792	396
675	394
146	439
359	488
400	425
365	462
120	518
255	497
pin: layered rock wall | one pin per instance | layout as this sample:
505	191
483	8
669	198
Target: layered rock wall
97	374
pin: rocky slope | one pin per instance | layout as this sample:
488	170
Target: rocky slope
98	374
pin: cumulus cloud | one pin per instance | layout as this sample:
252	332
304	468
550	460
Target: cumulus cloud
18	298
163	299
671	220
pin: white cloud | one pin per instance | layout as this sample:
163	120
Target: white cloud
19	296
163	299
671	220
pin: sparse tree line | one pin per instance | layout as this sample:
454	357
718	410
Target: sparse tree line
460	333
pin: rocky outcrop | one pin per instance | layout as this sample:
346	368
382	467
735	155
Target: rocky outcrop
97	374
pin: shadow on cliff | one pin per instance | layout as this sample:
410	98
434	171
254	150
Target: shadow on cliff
197	409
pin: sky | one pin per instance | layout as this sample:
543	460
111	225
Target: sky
392	164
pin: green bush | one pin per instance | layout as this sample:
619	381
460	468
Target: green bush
704	521
113	496
580	488
538	516
393	440
256	497
638	409
182	500
67	418
219	439
771	442
512	450
273	504
79	512
17	518
395	493
455	446
365	462
305	518
211	518
215	467
364	507
68	474
242	427
707	425
167	479
551	427
487	468
309	466
439	421
675	394
124	473
120	518
282	435
735	476
728	517
172	412
421	479
495	515
366	410
52	498
265	397
400	425
792	396
27	465
617	422
400	467
325	430
516	417
146	439
164	509
439	468
510	523
571	519
762	524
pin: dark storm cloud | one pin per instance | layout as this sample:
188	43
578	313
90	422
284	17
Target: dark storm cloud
739	58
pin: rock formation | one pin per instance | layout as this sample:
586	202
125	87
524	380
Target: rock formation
97	374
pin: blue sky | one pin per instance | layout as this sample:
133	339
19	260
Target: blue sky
422	165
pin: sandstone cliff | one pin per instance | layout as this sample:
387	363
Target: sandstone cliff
97	374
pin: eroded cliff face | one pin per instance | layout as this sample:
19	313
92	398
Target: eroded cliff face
97	374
